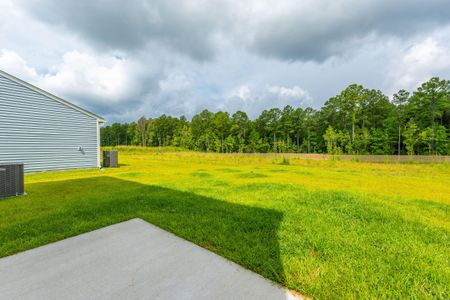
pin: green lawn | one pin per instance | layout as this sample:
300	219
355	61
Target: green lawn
327	229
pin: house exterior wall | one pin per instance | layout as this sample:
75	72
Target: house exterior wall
43	133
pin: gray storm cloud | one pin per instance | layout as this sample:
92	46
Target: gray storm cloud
291	30
188	27
124	59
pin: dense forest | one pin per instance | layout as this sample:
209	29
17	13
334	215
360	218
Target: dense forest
357	121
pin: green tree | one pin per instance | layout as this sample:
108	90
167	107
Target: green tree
298	120
426	138
183	138
201	128
331	137
362	141
357	120
222	125
133	133
351	101
240	128
429	103
229	144
287	124
442	140
411	137
400	100
353	109
310	123
379	141
142	127
268	124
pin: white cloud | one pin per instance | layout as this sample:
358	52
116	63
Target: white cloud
426	58
81	75
243	92
254	101
13	63
104	83
105	78
293	92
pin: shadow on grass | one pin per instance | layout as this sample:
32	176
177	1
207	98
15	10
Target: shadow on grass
55	210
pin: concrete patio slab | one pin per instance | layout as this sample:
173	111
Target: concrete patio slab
129	260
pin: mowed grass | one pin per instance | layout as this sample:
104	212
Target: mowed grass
327	229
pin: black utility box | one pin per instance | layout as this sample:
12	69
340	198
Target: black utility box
110	159
11	179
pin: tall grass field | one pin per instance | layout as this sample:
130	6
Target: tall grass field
327	229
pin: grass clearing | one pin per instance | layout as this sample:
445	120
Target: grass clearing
328	229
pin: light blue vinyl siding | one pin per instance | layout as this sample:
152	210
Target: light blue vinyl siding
43	133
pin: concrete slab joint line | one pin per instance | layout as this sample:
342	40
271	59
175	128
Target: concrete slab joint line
129	260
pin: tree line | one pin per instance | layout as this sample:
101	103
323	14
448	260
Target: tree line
357	121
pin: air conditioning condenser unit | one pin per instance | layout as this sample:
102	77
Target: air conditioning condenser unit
11	179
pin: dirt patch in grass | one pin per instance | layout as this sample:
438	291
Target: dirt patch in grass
201	174
228	170
252	175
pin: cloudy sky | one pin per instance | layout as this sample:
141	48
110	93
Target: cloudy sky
125	59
